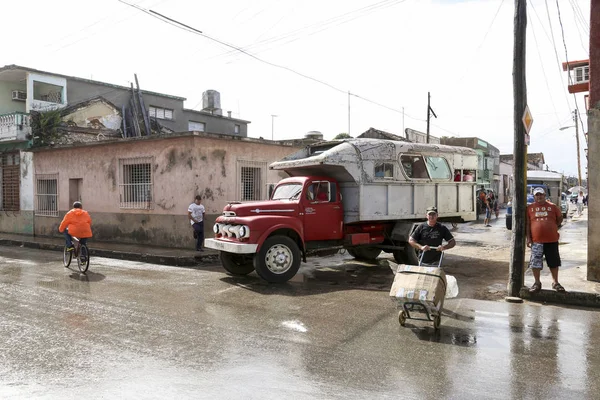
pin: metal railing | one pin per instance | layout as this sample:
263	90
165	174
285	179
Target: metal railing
15	126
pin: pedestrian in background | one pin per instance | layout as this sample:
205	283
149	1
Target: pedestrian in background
580	203
196	215
543	220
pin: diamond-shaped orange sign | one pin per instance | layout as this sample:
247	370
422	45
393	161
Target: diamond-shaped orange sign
527	119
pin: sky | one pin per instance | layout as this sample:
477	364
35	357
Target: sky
301	58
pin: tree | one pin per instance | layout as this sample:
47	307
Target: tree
342	135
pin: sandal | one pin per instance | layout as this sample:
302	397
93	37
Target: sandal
558	287
536	287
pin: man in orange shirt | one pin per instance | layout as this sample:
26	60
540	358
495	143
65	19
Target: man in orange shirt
78	223
543	220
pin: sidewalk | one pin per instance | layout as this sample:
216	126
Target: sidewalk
573	271
123	251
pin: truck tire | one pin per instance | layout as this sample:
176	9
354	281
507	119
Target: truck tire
365	253
236	264
278	259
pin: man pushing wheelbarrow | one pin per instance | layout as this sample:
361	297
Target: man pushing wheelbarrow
421	289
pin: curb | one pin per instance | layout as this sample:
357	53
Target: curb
582	299
174	261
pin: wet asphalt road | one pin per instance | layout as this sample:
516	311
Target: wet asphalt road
138	331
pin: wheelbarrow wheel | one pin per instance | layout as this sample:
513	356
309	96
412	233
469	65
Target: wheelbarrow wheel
437	320
402	318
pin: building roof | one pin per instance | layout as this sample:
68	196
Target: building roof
215	115
13	67
377	134
532	158
544	175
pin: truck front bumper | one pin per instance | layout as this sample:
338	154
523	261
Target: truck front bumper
229	247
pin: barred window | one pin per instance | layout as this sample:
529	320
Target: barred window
10	181
135	183
251	175
46	195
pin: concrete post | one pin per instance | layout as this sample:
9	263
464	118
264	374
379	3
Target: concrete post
593	269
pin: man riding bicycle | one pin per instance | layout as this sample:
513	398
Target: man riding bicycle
78	223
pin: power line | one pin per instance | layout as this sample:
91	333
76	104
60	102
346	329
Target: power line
567	58
537	47
195	31
326	24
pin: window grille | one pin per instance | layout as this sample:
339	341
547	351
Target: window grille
11	181
251	175
160	113
46	195
135	183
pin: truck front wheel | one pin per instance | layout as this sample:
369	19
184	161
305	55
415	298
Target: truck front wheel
278	259
236	264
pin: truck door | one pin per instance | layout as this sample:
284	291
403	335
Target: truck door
323	211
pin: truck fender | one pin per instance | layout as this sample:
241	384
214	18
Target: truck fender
284	227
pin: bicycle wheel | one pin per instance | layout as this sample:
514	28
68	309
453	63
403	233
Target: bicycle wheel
67	257
83	259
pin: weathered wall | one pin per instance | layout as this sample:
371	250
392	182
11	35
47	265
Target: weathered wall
17	222
214	123
183	166
7	105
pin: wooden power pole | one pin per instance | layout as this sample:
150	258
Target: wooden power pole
519	203
429	112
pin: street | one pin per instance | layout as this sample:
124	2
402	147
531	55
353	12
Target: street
135	330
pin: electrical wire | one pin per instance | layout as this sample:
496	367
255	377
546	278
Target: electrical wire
562	30
537	47
190	29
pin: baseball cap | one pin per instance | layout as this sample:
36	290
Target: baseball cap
538	190
432	210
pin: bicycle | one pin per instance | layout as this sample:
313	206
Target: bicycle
81	253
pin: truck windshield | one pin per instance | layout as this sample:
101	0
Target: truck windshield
287	192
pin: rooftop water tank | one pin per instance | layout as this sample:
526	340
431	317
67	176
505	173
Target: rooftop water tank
211	102
316	135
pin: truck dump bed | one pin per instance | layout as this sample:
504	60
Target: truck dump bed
390	180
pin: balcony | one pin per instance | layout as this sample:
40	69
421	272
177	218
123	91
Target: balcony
15	127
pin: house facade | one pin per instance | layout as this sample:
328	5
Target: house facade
99	110
137	190
488	171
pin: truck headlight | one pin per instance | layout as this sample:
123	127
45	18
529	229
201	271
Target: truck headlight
243	231
216	228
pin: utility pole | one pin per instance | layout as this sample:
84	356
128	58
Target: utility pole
349	114
575	117
517	256
273	126
429	112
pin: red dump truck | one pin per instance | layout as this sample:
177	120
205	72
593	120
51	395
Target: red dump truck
364	195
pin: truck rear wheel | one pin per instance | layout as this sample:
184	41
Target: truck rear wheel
278	259
365	253
236	264
407	256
